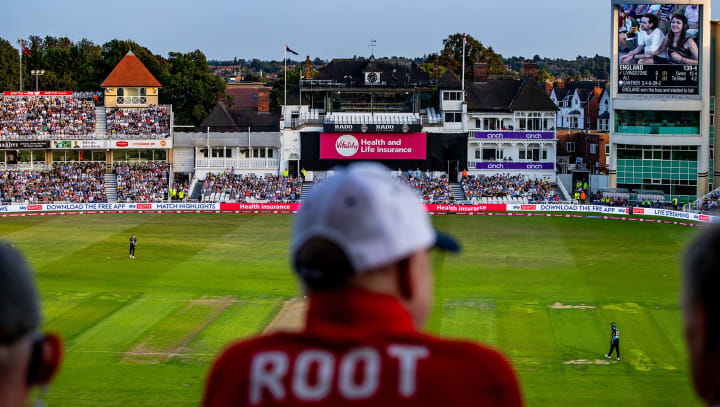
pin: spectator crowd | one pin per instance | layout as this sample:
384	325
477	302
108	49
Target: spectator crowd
41	117
149	122
228	186
142	182
428	188
64	182
507	186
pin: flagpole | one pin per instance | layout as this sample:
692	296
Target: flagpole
463	68
285	84
21	54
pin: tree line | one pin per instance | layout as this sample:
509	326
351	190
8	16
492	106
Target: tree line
82	66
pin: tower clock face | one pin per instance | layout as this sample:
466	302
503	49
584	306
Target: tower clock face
372	77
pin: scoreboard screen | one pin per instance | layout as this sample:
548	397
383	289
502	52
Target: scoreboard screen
658	79
658	49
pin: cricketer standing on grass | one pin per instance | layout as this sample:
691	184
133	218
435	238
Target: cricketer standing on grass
133	242
614	341
361	247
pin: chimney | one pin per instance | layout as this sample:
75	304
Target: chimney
263	100
480	72
436	69
560	83
308	67
548	87
531	70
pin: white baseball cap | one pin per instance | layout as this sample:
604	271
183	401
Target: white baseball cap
374	218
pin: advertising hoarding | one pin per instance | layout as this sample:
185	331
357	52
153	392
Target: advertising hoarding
141	143
514	135
509	165
372	146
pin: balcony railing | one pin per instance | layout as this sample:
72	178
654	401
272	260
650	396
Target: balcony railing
132	100
240	163
25	167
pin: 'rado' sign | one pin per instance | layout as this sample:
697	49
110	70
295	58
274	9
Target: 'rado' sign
372	128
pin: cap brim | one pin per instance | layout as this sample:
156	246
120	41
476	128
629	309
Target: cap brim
447	243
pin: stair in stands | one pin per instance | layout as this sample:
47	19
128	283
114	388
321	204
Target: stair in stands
100	122
457	191
111	187
307	186
195	191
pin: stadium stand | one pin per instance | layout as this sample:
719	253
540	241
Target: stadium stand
711	202
142	182
63	182
612	197
231	187
507	188
149	122
42	117
430	189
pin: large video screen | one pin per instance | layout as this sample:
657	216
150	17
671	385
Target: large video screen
658	49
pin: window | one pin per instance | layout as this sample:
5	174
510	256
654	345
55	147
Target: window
453	117
269	153
607	150
204	153
217	152
570	147
478	124
522	154
593	148
491	124
38	156
545	155
477	154
657	122
452	95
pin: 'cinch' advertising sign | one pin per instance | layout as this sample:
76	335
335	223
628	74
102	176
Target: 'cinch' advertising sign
372	146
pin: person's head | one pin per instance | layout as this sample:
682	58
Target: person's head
648	22
678	23
365	229
701	307
27	358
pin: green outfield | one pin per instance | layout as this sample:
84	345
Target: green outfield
143	332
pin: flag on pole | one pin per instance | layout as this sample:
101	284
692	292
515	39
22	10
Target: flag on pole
25	50
289	50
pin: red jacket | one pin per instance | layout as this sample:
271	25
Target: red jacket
361	348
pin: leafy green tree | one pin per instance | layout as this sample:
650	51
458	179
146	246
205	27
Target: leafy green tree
277	96
190	87
9	67
451	55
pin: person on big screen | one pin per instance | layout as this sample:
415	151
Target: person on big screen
681	49
27	357
650	41
692	13
361	247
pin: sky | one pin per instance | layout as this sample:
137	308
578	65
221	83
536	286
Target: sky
327	29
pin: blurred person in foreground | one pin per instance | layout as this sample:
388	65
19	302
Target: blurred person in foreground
27	358
361	249
701	306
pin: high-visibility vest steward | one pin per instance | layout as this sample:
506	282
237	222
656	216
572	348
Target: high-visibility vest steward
360	349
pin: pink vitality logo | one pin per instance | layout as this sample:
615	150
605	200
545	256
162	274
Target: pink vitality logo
347	145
